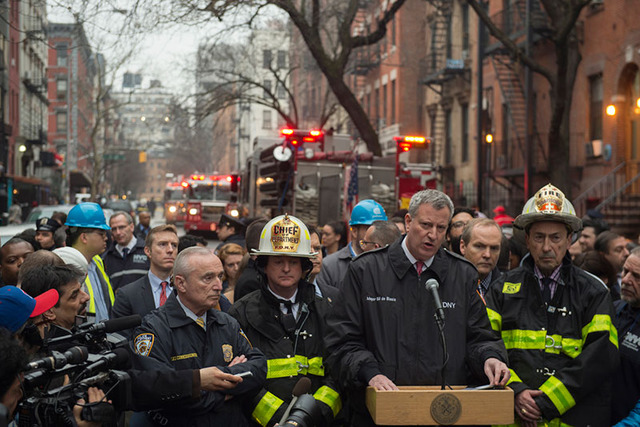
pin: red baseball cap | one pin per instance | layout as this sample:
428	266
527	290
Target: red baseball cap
16	306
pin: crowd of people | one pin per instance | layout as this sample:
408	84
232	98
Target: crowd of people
545	303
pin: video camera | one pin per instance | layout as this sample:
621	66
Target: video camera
304	413
53	384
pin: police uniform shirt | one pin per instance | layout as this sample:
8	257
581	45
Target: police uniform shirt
130	246
191	315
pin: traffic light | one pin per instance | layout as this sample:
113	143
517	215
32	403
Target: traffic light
297	137
142	157
277	180
234	181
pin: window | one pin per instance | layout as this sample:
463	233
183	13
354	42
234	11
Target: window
61	121
377	103
465	26
282	59
465	133
384	103
61	89
267	89
266	119
595	107
505	130
266	58
393	102
449	46
448	149
62	54
393	32
281	93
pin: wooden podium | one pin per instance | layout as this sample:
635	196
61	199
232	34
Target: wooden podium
429	405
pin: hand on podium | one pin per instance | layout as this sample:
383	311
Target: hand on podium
497	372
526	407
380	382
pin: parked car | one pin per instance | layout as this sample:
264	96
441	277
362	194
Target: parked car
45	211
121	205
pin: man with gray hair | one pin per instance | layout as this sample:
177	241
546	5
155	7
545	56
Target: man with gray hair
379	235
125	260
382	332
188	333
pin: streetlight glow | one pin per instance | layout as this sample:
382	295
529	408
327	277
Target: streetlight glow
22	148
611	110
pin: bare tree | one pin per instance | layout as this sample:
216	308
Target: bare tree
562	17
325	26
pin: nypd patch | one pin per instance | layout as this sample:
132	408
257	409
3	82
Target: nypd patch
143	344
227	352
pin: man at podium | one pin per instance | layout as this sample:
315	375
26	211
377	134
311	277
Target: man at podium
382	332
555	321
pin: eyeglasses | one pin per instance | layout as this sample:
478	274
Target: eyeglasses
100	232
364	243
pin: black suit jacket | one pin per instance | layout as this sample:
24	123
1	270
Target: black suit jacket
134	298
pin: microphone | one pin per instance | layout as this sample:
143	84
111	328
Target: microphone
432	285
116	358
57	360
84	331
113	325
302	387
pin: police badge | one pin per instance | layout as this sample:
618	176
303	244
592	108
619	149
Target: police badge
227	352
143	344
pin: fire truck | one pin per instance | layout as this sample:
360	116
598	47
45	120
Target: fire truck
319	178
175	208
207	197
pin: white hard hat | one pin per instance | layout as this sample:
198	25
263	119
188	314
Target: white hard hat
74	257
548	204
285	235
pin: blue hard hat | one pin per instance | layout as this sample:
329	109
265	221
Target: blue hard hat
367	211
87	215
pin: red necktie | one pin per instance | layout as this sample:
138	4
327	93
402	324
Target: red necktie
163	294
419	265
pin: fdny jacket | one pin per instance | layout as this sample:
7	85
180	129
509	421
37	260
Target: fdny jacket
289	356
124	271
384	324
626	381
168	339
568	351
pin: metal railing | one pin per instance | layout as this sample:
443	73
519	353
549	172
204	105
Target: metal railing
606	185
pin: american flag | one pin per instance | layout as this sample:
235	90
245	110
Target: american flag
352	192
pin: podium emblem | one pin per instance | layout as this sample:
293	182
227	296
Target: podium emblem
446	409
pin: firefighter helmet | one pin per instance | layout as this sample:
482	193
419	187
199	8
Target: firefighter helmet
548	204
285	235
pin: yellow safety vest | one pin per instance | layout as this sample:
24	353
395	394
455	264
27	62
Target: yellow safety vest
87	282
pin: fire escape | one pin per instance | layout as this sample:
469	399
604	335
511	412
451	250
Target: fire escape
447	75
508	160
363	61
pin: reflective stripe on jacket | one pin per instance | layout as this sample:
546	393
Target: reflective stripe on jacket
105	285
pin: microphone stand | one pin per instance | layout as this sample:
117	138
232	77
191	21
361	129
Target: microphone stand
445	355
